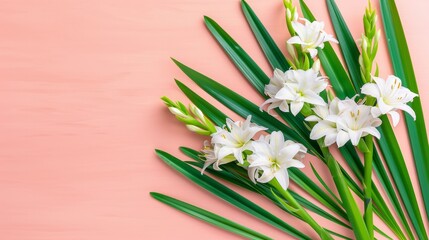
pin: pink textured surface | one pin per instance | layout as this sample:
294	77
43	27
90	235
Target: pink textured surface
81	115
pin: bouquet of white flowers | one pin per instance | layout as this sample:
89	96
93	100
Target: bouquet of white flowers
347	109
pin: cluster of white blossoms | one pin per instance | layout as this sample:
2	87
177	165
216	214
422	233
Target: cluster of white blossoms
338	121
267	158
343	120
294	88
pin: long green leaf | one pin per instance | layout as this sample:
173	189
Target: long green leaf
265	190
338	76
403	68
270	48
348	45
261	188
238	176
228	195
396	164
209	217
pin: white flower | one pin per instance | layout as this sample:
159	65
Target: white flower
211	154
277	82
310	36
326	118
235	138
302	87
341	121
271	158
355	123
391	96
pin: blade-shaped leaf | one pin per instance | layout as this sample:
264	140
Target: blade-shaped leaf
396	164
265	190
403	68
348	45
270	48
228	195
209	217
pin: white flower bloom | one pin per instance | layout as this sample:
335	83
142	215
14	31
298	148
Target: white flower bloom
326	118
235	139
355	123
271	158
310	36
211	154
302	87
341	121
391	96
277	82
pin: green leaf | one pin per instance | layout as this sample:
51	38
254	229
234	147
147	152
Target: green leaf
209	110
396	164
348	45
324	184
266	42
240	179
403	68
338	76
228	195
209	217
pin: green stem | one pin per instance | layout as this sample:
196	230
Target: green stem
301	211
350	205
367	186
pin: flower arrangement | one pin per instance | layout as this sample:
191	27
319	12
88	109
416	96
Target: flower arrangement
352	108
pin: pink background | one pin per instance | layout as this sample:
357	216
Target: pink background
80	84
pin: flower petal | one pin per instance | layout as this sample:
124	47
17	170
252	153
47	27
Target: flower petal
283	178
371	89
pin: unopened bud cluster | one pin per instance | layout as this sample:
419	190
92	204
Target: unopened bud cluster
192	116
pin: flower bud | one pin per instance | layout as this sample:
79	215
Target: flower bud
316	66
198	130
295	14
364	44
177	112
196	111
291	50
288	14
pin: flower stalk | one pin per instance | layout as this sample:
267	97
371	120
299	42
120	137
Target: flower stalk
350	205
367	186
300	211
369	50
